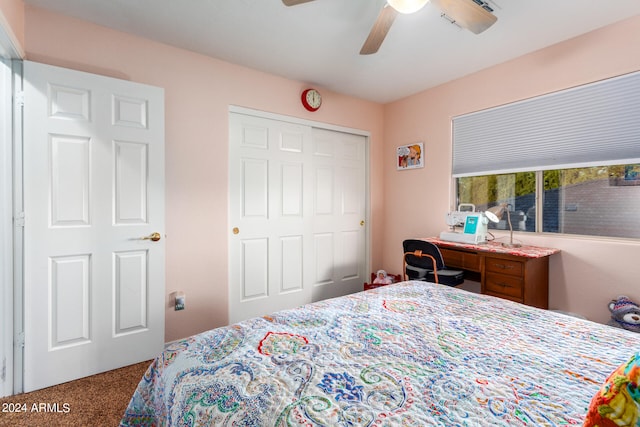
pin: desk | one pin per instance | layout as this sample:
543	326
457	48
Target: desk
518	274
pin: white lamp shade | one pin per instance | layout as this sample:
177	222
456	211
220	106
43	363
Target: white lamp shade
495	213
407	6
492	216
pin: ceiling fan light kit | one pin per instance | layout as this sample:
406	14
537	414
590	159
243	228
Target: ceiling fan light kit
407	6
473	15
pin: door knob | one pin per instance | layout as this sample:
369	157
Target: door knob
154	237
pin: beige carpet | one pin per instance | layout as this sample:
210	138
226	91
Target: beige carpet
99	400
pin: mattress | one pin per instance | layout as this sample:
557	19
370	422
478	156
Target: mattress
408	354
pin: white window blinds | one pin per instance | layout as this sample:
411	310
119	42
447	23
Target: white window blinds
594	124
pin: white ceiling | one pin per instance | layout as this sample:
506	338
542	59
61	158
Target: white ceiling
318	42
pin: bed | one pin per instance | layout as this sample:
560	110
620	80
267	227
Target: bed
408	354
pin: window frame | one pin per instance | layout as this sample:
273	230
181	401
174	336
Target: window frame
539	202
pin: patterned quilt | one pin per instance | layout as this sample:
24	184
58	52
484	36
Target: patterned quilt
410	354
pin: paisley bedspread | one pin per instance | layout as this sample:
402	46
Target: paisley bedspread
410	354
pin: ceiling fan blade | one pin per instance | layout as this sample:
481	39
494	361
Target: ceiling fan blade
467	13
379	30
294	2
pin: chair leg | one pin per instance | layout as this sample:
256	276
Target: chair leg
418	253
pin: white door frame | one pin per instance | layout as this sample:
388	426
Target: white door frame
6	235
320	125
18	234
10	49
11	231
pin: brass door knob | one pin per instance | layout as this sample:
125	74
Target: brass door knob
154	237
235	230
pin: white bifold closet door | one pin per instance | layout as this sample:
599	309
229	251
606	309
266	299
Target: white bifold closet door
93	190
297	215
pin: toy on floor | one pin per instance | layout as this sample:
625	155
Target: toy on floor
382	278
625	314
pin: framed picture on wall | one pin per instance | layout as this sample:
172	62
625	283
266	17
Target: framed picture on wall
410	156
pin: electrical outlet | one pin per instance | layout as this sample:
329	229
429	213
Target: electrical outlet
180	298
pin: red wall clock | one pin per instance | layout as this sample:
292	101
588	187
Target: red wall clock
311	99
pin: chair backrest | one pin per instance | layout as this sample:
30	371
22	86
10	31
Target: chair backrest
412	245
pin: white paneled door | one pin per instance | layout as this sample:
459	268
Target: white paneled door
94	196
297	215
337	222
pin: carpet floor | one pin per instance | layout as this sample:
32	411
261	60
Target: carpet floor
98	400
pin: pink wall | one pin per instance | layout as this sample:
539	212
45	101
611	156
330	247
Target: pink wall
588	272
199	90
198	93
12	19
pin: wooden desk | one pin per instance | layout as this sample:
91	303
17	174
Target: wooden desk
518	274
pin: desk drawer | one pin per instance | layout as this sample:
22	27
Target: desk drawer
502	284
460	259
504	266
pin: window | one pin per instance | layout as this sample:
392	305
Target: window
518	190
594	201
564	162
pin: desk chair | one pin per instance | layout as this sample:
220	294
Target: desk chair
423	261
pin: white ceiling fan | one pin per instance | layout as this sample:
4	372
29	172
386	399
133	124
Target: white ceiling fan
473	15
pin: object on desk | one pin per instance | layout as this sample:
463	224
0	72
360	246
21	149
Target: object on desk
457	218
423	261
475	225
495	214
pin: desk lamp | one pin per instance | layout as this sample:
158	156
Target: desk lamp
495	214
